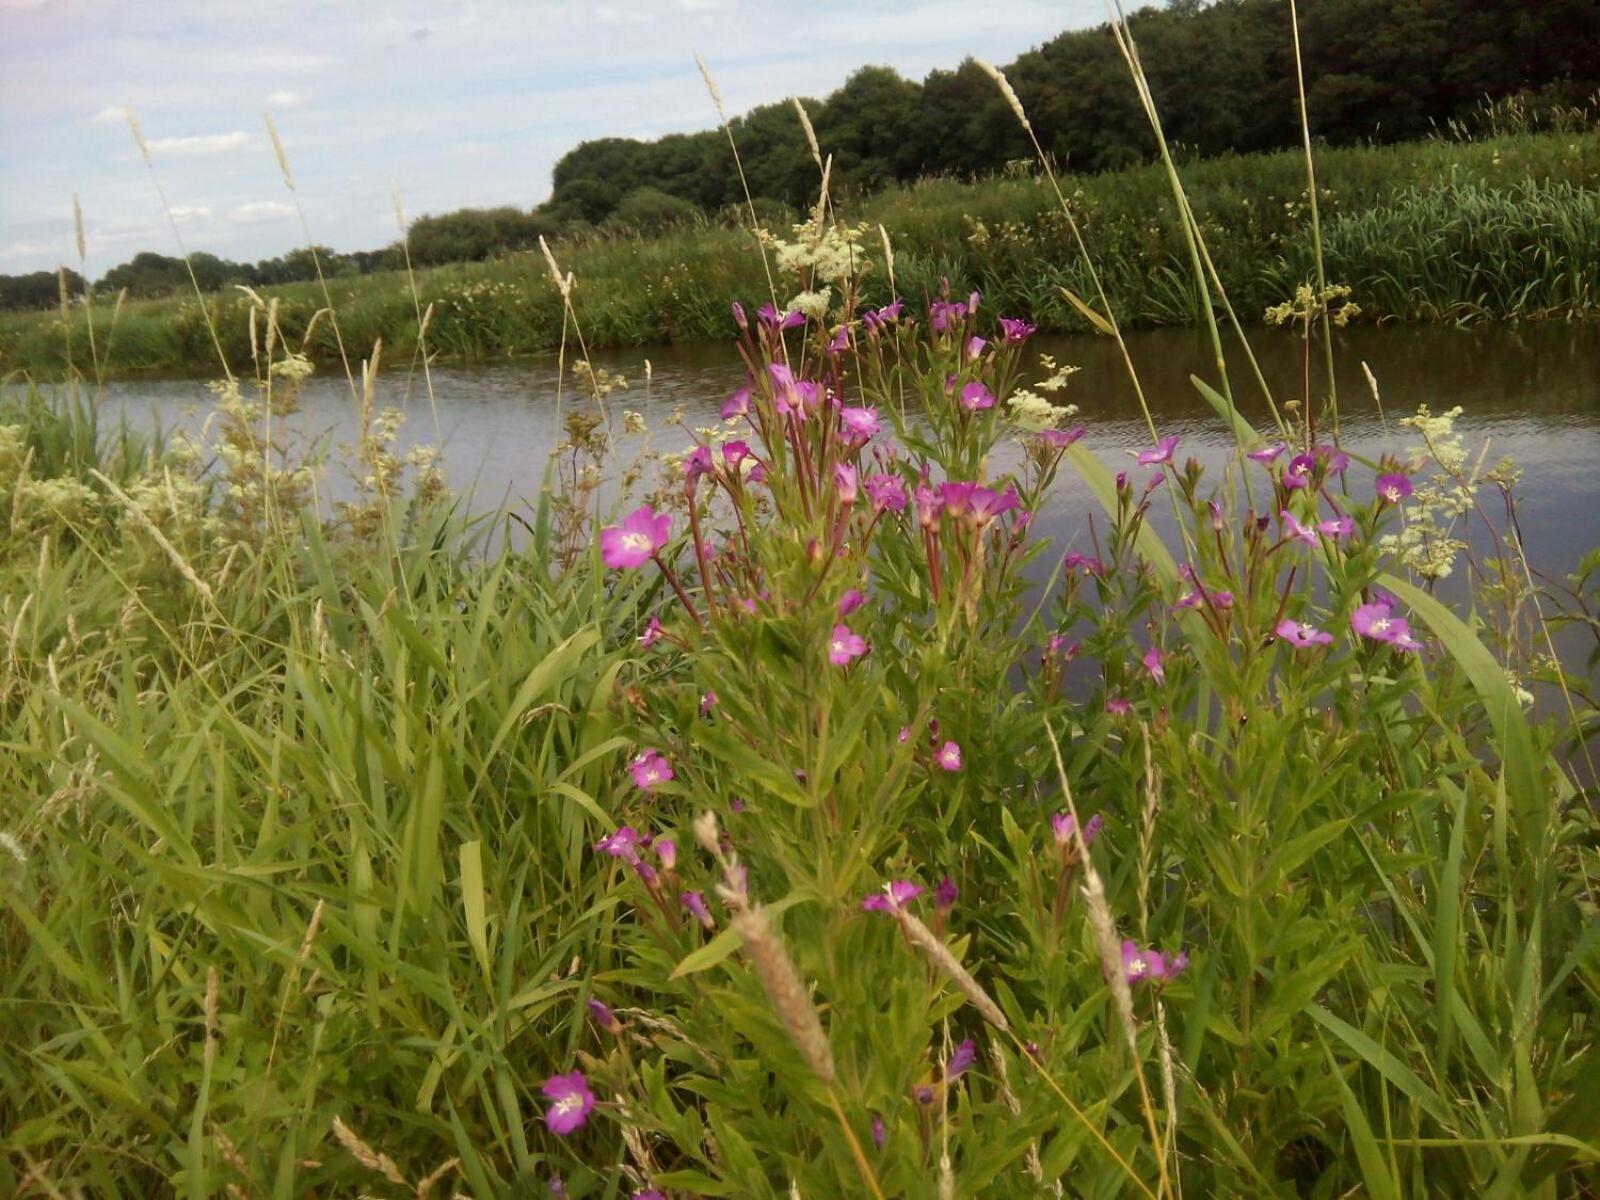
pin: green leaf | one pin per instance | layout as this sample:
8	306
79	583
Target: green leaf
1514	739
470	857
1385	1063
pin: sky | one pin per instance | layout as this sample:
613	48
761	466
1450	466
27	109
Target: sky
451	104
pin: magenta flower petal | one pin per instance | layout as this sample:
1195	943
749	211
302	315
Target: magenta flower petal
1298	473
961	1059
650	770
1267	454
1154	662
896	894
1376	622
974	396
949	756
850	601
887	492
695	902
1161	453
1016	331
631	543
571	1102
944	896
860	422
844	645
1393	487
845	483
1294	531
1299	633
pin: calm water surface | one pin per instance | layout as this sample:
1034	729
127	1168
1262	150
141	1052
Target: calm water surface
1529	392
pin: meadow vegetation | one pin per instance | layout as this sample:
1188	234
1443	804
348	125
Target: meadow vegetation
803	825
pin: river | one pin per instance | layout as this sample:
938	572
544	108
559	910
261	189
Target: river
1530	392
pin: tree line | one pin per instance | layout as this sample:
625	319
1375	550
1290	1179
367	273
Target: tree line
1222	76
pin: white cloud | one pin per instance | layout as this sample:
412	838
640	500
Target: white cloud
285	99
258	211
209	143
111	114
191	212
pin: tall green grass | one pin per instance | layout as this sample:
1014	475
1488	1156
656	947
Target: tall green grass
1427	231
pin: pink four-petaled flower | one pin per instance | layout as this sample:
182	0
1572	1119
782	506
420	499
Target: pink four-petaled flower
571	1102
844	644
633	542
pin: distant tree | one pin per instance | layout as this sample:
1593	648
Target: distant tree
648	210
37	289
471	234
150	274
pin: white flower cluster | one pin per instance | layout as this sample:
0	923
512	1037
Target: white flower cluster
1032	412
1426	543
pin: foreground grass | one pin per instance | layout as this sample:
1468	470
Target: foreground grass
1507	227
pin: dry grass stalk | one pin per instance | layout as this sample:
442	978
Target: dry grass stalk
785	992
811	134
211	1014
888	258
158	537
434	1177
920	936
1006	90
77	228
372	1160
563	283
1110	950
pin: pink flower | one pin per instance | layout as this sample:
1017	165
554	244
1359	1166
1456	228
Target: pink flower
623	844
1294	531
735	452
603	1016
844	482
736	405
841	341
1393	488
1153	662
961	1058
697	463
1336	527
1374	621
927	508
650	770
860	422
651	634
1060	439
1161	454
894	895
985	504
1267	454
571	1102
844	645
1298	473
1117	706
975	345
1016	331
944	896
850	601
974	396
636	540
1150	965
1299	633
888	493
696	904
956	497
1063	827
949	756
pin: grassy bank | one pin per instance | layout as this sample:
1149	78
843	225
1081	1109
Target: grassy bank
1507	227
